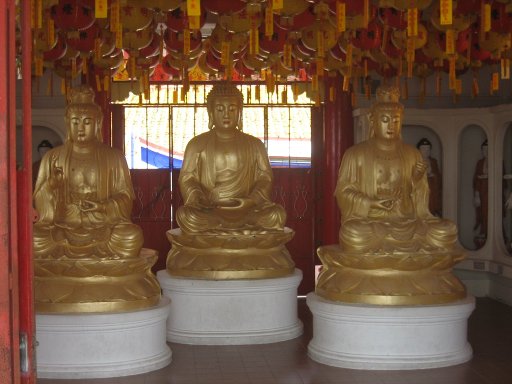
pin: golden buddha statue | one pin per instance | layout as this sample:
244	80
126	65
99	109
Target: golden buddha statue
229	227
392	250
87	252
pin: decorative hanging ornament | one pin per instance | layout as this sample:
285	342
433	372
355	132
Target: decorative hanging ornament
72	15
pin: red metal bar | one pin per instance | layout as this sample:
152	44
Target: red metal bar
26	269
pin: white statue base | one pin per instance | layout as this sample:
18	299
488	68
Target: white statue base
94	345
372	337
231	312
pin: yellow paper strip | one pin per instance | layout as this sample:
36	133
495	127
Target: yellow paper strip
100	9
341	17
175	96
486	17
451	74
114	16
450	42
194	22
277	5
38	66
254	43
332	94
98	83
51	32
224	58
258	93
287	55
269	22
119	36
106	83
446	11
495	81
97	48
194	7
412	22
505	69
366	13
320	44
39	14
458	86
319	66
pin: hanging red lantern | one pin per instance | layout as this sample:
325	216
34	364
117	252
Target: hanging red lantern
501	21
368	38
58	51
135	18
393	18
153	48
167	68
177	19
84	40
174	41
72	15
222	6
298	21
160	75
275	43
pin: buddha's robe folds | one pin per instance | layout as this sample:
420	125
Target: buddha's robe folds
63	229
367	173
201	178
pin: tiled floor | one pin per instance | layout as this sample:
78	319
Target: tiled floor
490	334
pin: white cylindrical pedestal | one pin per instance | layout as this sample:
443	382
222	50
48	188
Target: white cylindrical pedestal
231	312
385	338
93	345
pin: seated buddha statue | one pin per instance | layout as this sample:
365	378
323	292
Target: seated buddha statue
228	220
391	249
83	196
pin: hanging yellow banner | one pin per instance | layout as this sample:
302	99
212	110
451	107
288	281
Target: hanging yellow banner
366	13
495	82
320	66
320	44
269	22
98	83
412	22
505	69
277	5
114	16
38	64
341	17
39	14
458	87
486	17
451	74
193	7
51	32
450	42
446	11
254	41
224	58
287	55
106	83
194	22
332	93
119	36
100	9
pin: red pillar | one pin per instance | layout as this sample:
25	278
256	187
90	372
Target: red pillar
9	311
338	135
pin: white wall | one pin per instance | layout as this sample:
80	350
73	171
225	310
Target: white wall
461	132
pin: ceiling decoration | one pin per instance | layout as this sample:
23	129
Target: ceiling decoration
272	40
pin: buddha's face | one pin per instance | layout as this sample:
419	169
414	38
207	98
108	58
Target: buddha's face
82	125
388	124
226	112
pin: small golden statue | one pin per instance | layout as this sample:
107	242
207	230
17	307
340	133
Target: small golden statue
392	250
87	252
229	227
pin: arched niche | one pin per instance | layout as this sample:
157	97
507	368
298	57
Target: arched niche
507	188
413	135
473	188
39	133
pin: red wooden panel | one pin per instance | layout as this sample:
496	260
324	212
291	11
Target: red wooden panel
157	199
